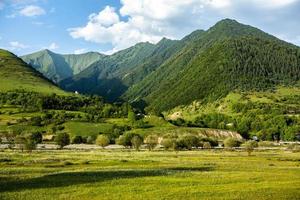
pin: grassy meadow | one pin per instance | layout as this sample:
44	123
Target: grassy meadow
129	174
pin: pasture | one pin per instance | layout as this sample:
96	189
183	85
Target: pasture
127	174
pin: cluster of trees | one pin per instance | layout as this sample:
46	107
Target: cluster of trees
92	105
168	141
270	127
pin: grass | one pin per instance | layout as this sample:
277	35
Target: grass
87	129
224	105
15	74
149	175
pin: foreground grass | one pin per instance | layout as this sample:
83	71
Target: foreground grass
149	175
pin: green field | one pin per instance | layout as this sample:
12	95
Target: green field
149	175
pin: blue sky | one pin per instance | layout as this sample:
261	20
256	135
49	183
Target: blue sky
77	26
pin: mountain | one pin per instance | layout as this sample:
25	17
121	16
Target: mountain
110	77
16	74
203	66
229	56
57	67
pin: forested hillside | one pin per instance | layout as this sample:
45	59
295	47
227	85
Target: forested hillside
204	66
107	76
229	56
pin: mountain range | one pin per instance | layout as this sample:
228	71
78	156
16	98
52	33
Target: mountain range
203	66
57	67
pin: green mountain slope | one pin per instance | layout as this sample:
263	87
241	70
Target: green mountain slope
57	67
16	74
229	56
110	77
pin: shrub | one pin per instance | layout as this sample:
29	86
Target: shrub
169	143
231	143
125	139
76	139
191	141
137	141
20	142
62	139
90	140
151	141
249	146
212	142
102	140
30	143
207	145
37	137
84	139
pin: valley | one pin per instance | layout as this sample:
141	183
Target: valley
214	115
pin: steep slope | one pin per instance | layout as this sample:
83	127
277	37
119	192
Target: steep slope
16	74
229	56
105	77
57	67
112	76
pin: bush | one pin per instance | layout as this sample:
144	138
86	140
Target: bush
77	140
137	141
62	139
169	143
30	143
102	140
37	137
125	139
90	140
249	146
207	145
212	142
151	141
20	142
232	142
188	142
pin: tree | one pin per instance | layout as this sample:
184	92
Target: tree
62	139
249	146
20	142
206	145
31	142
137	141
90	140
102	140
131	117
76	139
37	137
125	139
231	142
169	143
151	141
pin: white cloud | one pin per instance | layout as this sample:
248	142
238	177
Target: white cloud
106	17
52	46
80	51
149	20
17	46
31	10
